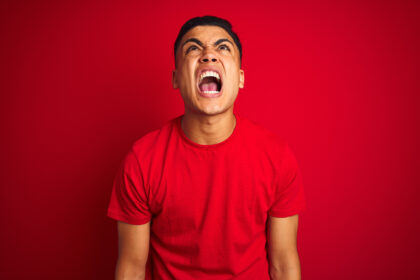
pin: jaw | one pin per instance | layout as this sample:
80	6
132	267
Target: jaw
209	105
208	109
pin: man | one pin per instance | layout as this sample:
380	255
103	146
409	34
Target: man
210	195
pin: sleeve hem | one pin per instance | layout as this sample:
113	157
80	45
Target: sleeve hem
287	212
128	219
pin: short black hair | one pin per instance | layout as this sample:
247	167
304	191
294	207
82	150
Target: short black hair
207	20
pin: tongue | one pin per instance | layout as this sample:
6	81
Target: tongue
208	86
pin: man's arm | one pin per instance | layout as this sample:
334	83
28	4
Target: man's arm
133	250
284	258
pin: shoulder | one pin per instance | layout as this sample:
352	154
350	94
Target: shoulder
269	148
154	141
261	136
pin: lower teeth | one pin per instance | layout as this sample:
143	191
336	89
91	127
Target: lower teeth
210	91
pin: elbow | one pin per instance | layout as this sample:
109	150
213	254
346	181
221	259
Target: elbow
127	271
275	273
286	268
289	273
131	275
138	276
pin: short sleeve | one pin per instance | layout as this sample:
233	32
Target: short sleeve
289	198
129	197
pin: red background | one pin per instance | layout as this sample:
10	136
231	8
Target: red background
81	80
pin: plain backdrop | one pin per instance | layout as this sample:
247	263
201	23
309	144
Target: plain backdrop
82	80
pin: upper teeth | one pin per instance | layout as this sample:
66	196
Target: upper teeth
209	74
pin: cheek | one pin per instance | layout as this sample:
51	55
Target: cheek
234	80
188	73
183	78
233	71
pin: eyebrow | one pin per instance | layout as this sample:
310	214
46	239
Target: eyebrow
198	42
194	40
218	42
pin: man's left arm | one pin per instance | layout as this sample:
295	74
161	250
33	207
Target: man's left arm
282	249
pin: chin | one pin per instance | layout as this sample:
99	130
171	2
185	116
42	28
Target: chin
212	110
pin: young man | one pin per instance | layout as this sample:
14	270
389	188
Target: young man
210	195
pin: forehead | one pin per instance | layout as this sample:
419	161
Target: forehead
206	34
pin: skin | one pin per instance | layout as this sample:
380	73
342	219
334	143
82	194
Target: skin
282	248
209	121
133	250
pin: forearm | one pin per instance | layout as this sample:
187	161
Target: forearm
287	268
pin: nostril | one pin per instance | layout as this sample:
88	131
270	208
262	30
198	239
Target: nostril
213	59
205	59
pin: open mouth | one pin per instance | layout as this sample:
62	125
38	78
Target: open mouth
210	83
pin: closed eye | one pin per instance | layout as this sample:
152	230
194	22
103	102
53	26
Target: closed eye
224	47
191	48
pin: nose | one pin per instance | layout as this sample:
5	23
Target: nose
208	56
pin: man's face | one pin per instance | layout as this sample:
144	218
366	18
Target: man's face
208	72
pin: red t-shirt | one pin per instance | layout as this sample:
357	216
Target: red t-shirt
208	204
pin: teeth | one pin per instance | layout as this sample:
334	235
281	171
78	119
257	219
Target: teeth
209	74
210	91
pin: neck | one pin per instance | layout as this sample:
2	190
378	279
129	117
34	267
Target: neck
208	130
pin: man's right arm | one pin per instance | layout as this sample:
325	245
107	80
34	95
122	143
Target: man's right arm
133	250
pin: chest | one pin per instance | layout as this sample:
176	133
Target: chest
198	187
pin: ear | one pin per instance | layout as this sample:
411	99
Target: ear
174	81
241	78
